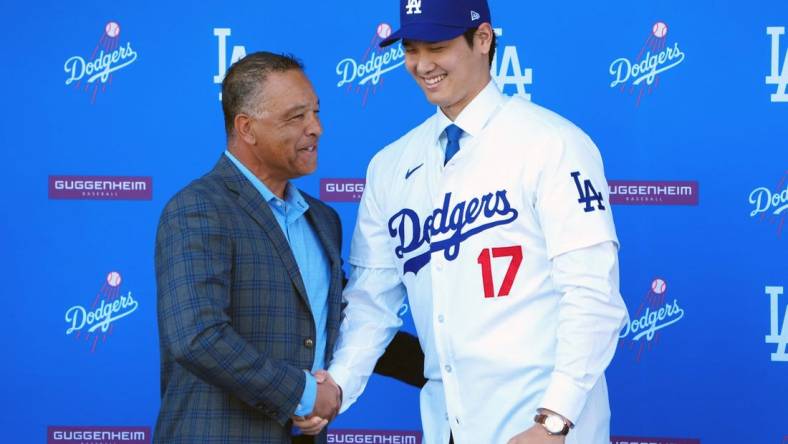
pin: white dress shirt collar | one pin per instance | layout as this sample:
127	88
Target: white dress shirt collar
476	114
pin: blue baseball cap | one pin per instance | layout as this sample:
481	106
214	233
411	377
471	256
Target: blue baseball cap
437	20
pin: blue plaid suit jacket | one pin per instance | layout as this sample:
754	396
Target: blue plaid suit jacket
235	327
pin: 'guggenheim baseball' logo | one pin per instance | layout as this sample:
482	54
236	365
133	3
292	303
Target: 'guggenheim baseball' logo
654	58
97	321
645	440
97	434
101	187
364	436
663	192
366	73
452	223
654	314
771	206
341	190
108	56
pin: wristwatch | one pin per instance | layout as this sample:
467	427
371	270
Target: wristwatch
553	424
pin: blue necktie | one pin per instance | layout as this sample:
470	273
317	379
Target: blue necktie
453	134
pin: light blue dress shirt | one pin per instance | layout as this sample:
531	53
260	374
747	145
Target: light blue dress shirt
312	264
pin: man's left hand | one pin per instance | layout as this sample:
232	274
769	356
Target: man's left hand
310	426
537	435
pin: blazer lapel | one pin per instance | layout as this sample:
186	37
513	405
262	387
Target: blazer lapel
252	202
328	239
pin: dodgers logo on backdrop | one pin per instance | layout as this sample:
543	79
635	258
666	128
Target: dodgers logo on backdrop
507	71
655	57
94	73
97	321
459	220
778	329
778	76
655	313
771	205
239	52
365	75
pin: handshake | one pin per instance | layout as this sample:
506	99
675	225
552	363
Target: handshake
327	404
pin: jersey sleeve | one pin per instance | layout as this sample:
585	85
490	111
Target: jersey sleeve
591	313
371	247
572	195
370	321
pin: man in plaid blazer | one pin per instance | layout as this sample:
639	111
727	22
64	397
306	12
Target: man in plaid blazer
249	274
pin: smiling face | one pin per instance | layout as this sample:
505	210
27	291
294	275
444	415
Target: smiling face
279	140
451	73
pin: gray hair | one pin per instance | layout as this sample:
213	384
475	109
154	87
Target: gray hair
242	85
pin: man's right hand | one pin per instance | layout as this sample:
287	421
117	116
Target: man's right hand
329	397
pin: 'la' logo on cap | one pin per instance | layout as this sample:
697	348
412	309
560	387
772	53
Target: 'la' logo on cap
413	7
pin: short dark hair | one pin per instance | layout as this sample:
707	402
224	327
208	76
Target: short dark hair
242	84
469	38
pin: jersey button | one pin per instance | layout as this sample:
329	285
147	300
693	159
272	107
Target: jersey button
441	319
447	368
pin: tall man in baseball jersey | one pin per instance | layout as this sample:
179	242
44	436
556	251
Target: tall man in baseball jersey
493	217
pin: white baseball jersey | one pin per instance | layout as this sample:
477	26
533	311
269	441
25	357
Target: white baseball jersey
508	255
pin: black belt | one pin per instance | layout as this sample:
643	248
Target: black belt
303	439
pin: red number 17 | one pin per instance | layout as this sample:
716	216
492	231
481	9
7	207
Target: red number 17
516	253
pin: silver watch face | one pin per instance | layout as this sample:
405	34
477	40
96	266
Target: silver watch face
554	424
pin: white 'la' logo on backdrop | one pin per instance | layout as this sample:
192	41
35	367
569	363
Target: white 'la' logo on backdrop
510	62
777	335
239	52
413	7
778	76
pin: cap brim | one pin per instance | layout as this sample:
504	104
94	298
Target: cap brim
423	32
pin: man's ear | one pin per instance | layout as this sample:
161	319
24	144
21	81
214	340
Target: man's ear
243	128
483	37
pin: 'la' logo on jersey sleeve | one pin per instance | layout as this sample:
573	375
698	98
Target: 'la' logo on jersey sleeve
587	193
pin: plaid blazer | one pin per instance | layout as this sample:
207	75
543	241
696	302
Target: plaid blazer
235	326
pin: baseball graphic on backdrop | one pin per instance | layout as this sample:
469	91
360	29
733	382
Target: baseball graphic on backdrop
113	279
384	30
660	30
658	286
112	29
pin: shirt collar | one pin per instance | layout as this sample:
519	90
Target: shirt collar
293	197
476	114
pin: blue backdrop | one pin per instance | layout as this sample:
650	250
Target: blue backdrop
113	107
